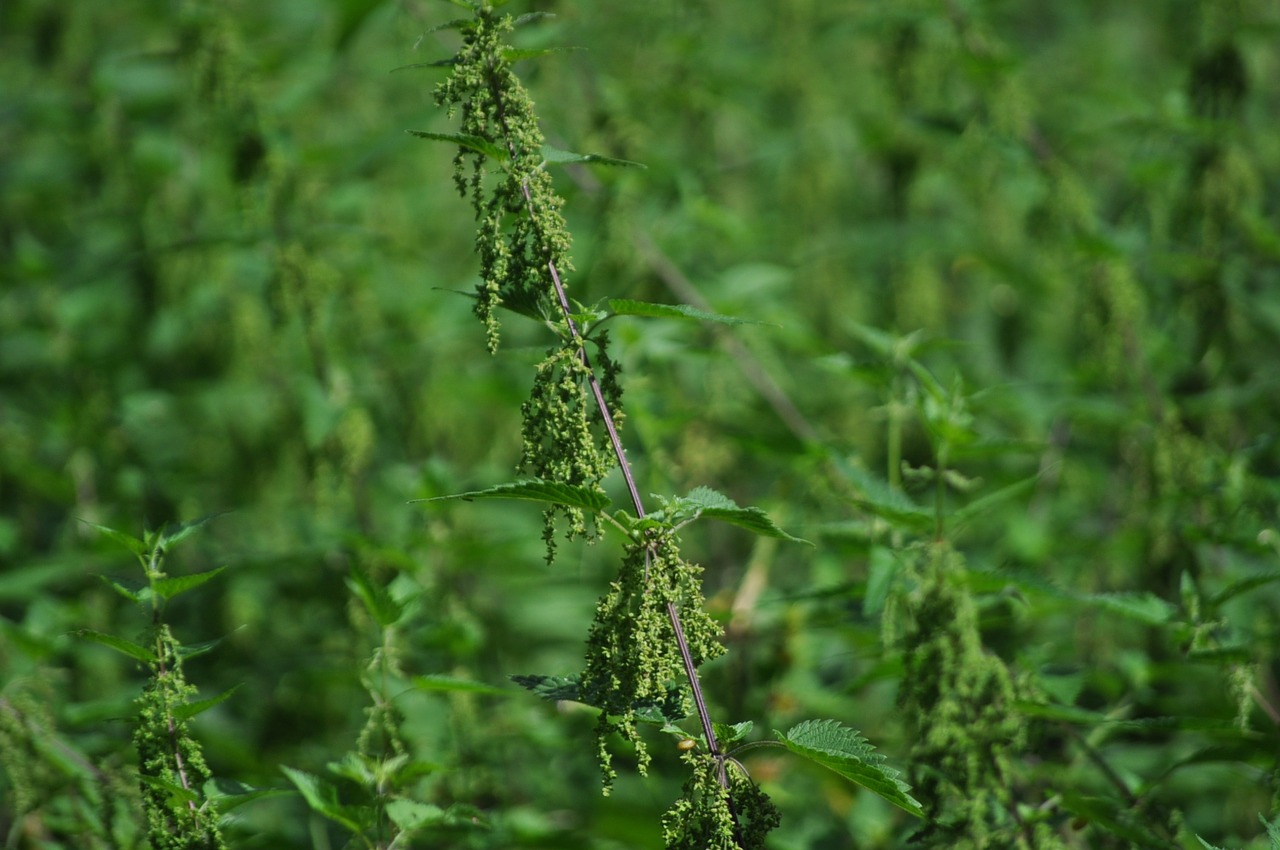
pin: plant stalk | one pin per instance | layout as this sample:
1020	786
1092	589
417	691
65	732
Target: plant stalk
606	415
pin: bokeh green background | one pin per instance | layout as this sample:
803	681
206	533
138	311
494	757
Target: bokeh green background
225	285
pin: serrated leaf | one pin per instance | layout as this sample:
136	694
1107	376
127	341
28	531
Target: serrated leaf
981	505
455	24
839	748
1114	816
532	18
705	502
881	500
128	647
478	144
556	688
515	54
728	734
896	349
128	541
177	794
882	569
1222	656
1273	831
439	682
231	794
1063	713
534	490
410	815
168	588
385	610
555	156
131	595
1244	585
439	63
627	307
174	533
531	305
1144	607
191	650
322	798
191	709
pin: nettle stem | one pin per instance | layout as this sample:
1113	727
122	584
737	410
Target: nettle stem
615	441
605	414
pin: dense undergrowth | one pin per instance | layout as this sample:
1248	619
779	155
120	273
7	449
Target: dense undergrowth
985	304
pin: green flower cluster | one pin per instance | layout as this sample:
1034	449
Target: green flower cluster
958	700
709	816
521	234
523	245
172	769
633	655
564	439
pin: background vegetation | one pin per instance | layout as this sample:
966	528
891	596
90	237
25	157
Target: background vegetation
226	274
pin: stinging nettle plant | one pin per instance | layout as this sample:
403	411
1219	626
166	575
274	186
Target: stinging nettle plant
183	805
651	631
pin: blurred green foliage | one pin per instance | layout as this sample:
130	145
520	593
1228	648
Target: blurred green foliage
224	285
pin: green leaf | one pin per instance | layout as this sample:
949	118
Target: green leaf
168	588
132	595
1223	656
515	54
705	502
438	682
478	144
556	688
883	568
191	709
129	542
377	601
1273	831
410	815
728	734
1244	585
553	688
230	794
881	500
1144	607
984	504
532	18
535	490
128	647
627	307
1062	713
1114	816
555	156
455	24
178	796
839	748
895	349
439	63
192	650
322	798
174	533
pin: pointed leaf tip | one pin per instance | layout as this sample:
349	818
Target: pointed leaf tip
555	156
537	490
844	750
627	307
705	502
